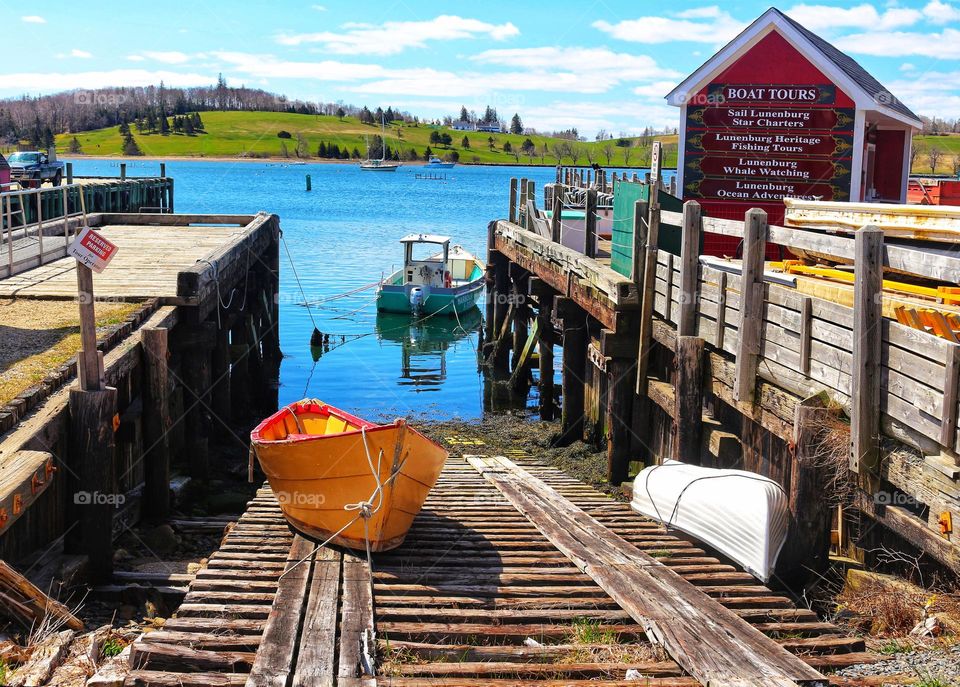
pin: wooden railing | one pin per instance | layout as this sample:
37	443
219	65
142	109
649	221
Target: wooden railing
36	225
884	374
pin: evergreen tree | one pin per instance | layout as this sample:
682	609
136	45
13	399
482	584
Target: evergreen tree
355	154
341	114
427	154
516	126
465	143
164	126
124	129
366	116
464	116
435	137
197	122
74	147
130	147
507	148
188	125
446	139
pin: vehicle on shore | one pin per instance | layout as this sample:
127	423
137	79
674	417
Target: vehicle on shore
31	168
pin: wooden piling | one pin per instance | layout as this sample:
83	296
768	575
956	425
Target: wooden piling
619	410
590	210
751	305
688	400
512	215
156	422
501	308
91	461
865	390
519	287
692	230
196	344
545	324
556	218
221	397
648	291
575	339
123	171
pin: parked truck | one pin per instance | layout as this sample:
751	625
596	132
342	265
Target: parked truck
32	167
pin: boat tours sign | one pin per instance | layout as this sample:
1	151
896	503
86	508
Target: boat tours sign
92	250
761	143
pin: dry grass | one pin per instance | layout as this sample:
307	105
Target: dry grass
894	611
39	336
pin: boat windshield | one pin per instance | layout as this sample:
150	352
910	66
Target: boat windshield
425	251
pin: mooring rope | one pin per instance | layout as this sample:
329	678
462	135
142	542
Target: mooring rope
299	284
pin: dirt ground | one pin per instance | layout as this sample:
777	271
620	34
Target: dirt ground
38	336
521	431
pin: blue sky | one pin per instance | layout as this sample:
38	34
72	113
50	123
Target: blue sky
593	65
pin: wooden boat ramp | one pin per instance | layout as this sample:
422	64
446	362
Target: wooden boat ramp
513	574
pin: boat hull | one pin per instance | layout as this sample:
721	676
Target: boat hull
452	301
319	479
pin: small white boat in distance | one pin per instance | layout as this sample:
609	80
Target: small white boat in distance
436	163
740	514
383	164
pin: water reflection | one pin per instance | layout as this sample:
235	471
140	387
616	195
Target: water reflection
424	344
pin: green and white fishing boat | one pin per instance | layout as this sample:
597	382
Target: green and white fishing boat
447	282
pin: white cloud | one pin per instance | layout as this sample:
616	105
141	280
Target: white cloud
318	8
598	62
33	19
270	67
864	16
941	12
136	58
907	67
167	56
393	37
81	54
26	82
702	25
944	45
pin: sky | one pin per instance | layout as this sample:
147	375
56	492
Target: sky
602	65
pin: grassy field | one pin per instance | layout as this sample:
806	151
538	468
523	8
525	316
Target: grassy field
232	134
949	162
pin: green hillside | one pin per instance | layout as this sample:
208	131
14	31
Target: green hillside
254	134
949	157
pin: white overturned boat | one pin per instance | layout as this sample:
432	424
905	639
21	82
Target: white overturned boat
740	514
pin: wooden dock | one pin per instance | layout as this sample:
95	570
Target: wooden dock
716	362
191	362
469	600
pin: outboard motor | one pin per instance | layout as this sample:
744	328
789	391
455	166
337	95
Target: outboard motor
416	300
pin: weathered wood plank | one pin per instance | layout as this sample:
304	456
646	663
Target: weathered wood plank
706	639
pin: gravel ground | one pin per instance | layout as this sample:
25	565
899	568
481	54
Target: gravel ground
934	663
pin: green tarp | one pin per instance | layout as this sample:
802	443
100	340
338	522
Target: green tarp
625	195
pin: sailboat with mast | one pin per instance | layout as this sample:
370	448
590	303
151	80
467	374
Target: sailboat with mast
383	164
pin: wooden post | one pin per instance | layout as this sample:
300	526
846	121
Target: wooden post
69	166
808	545
751	305
163	170
648	292
89	368
590	210
522	203
501	358
240	386
521	313
639	253
545	347
575	338
865	391
40	226
619	410
806	333
221	398
123	171
196	343
690	269
91	461
688	399
489	313
556	218
156	422
513	200
530	201
309	184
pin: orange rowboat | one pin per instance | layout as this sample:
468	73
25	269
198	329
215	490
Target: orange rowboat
332	471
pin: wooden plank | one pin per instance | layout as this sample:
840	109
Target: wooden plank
24	476
751	306
647	297
317	641
357	651
708	640
948	412
688	418
692	231
276	658
865	392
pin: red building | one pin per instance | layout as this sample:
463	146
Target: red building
4	172
779	112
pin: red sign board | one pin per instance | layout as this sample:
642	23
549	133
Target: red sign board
770	143
92	249
775	118
763	190
765	167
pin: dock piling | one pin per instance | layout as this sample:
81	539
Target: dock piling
575	339
156	422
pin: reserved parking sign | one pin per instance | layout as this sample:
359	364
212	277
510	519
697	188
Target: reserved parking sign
92	250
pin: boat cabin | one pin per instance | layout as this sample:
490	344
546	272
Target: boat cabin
422	265
779	112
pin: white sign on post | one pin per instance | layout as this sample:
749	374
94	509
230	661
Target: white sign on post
92	250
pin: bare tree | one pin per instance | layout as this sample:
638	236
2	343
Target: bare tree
955	163
915	152
542	152
608	150
934	155
303	146
627	152
590	153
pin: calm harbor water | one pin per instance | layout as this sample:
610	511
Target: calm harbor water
342	237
